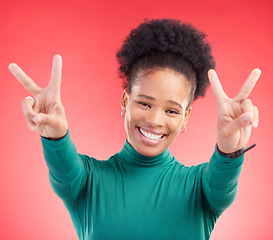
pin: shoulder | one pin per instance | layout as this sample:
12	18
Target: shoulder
96	164
192	172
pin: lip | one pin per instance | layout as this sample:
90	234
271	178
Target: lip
148	141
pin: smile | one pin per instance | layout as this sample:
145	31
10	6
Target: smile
149	135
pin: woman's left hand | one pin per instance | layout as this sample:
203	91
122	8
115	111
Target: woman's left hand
236	116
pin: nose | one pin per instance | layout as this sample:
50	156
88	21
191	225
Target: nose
155	118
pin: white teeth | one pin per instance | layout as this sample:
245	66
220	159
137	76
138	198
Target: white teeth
149	135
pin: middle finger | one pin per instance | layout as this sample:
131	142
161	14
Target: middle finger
248	85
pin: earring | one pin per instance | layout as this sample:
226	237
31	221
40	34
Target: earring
122	113
183	129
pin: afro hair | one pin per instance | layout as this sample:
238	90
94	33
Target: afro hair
167	39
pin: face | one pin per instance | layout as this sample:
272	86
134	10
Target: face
155	111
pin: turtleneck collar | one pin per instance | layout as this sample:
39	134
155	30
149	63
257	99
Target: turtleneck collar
130	156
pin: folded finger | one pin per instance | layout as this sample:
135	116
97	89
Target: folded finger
31	99
255	120
242	121
46	119
29	113
55	123
247	107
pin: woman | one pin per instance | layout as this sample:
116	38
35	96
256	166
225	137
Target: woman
143	192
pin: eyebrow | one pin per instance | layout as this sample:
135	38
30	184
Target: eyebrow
152	98
175	103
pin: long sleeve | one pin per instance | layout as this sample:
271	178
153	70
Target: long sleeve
131	196
220	181
67	169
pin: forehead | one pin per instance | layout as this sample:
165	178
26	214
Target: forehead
162	84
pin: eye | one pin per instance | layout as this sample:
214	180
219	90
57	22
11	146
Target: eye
172	112
146	105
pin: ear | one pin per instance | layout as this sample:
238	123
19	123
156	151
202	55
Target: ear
187	116
124	100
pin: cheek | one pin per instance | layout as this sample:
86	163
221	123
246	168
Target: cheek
131	118
175	125
133	113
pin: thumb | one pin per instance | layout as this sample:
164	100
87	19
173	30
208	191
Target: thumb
51	121
56	127
241	122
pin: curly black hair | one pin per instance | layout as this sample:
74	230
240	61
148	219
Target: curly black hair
166	43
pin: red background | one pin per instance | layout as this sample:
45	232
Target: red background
87	34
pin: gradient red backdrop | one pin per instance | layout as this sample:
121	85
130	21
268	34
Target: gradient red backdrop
87	34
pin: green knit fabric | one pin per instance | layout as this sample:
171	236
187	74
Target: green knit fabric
133	197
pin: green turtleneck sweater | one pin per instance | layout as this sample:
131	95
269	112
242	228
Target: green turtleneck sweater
133	197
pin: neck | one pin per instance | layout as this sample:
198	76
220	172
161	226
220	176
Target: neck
130	156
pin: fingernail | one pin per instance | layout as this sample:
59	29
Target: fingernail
37	119
10	67
31	127
246	118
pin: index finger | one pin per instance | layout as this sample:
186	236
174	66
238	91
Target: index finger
248	85
216	86
24	79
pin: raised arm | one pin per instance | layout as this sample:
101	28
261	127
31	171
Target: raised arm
235	120
236	116
46	114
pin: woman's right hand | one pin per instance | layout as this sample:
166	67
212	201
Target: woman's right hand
46	115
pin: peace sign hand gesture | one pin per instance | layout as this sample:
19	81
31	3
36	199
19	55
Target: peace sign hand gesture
46	115
236	116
